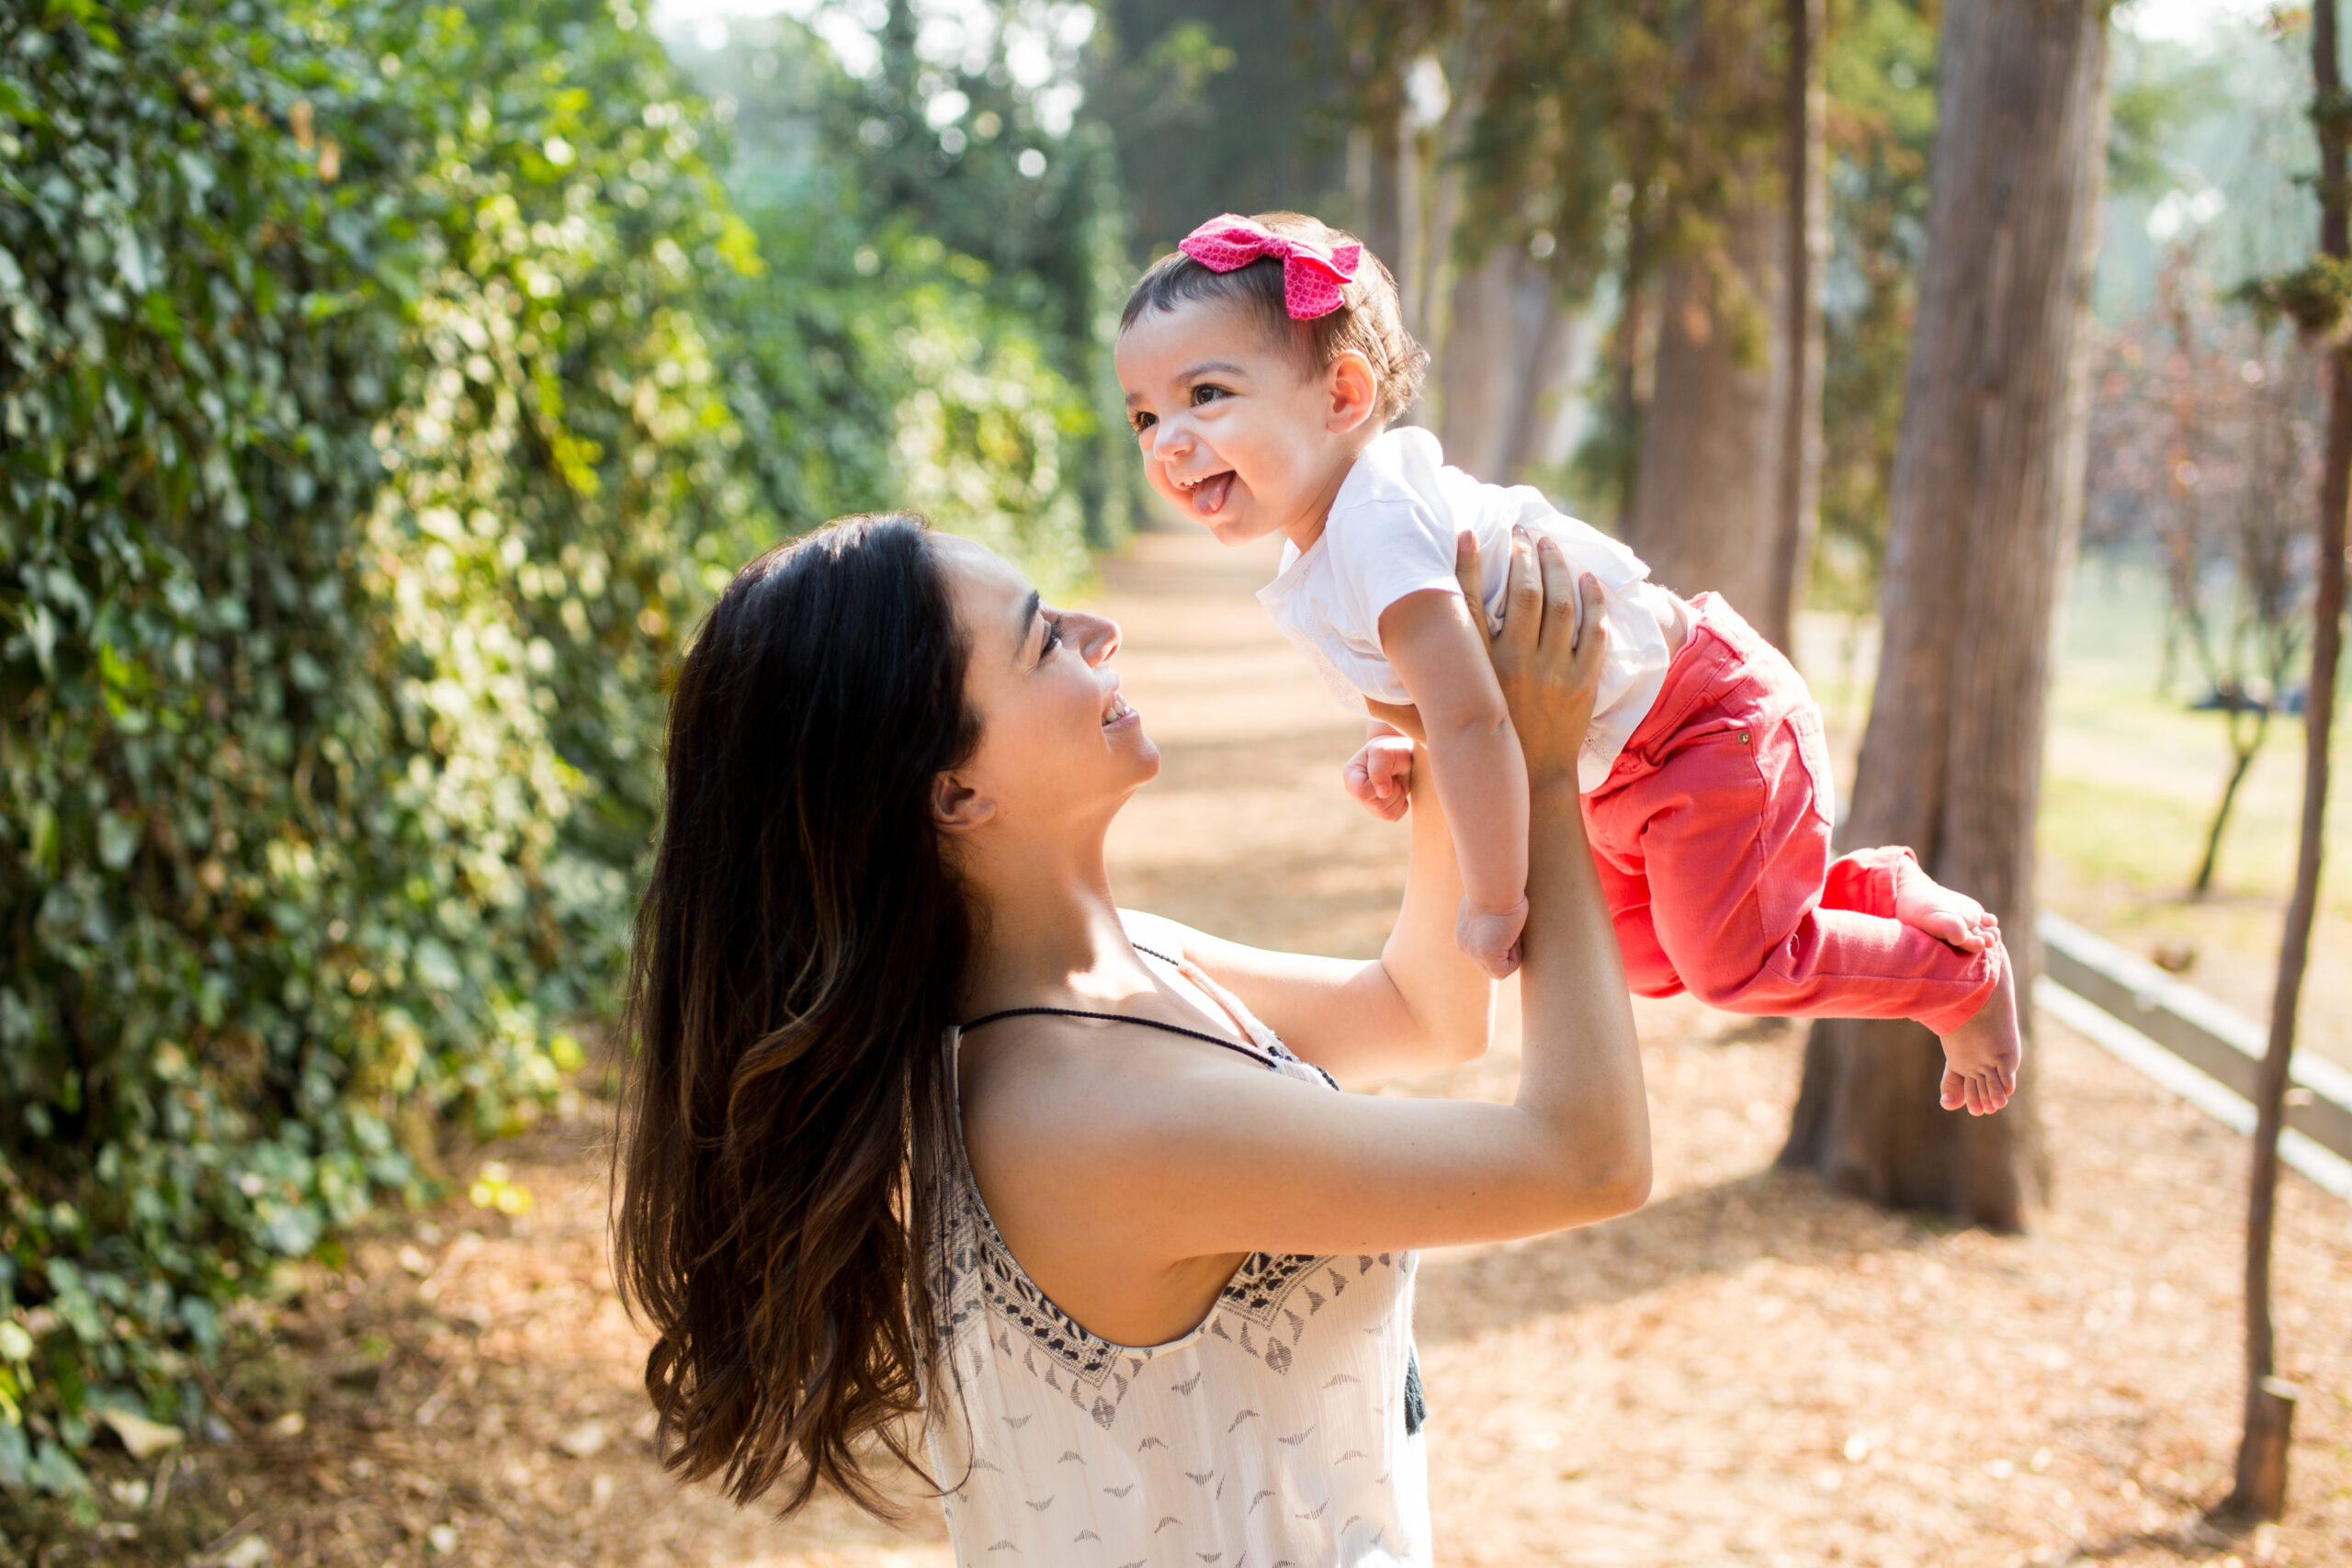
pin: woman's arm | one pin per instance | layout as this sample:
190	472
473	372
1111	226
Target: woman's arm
1421	1004
1194	1157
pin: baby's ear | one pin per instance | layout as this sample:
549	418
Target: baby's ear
1354	391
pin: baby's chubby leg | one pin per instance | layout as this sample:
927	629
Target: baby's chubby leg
1981	1053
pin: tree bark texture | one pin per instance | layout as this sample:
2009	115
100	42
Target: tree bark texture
1710	497
2262	1454
1708	492
1987	492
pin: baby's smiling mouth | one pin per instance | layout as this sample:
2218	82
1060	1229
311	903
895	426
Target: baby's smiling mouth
1207	494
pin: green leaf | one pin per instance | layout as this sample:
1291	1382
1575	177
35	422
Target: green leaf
15	1455
119	840
18	103
54	1471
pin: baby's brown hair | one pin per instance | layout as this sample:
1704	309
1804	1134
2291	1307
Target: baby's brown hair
1370	320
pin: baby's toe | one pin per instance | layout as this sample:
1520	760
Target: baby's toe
1952	928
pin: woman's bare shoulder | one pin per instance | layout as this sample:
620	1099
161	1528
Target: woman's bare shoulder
1158	933
1064	1115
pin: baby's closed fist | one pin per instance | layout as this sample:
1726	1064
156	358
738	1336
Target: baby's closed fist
1490	938
1380	775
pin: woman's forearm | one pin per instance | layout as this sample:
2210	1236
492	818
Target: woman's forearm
1422	1004
1447	998
1482	784
1580	1064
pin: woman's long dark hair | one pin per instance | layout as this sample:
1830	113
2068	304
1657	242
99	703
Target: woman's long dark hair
795	959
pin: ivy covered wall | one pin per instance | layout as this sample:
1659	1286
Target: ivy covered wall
383	390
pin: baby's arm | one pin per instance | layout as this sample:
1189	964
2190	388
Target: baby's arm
1436	644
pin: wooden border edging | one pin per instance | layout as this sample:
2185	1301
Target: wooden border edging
2108	993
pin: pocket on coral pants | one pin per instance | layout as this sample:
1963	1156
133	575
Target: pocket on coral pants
1813	751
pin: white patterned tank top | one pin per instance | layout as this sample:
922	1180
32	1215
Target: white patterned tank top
1273	1435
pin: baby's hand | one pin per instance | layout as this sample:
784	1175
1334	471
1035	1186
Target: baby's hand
1981	1056
1489	938
1381	775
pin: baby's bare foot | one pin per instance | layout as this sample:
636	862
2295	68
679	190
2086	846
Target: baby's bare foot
1981	1057
1923	904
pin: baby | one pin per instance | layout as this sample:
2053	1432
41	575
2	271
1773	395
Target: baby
1262	364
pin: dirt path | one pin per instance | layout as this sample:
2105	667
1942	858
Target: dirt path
1752	1370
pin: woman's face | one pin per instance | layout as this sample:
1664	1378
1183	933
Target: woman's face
1057	742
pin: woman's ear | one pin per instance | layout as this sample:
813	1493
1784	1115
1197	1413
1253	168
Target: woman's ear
957	804
1355	390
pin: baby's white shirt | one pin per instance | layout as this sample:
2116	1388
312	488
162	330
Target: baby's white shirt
1391	533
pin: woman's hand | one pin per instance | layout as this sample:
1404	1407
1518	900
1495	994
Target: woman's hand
1548	654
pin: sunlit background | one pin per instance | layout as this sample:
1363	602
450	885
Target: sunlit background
386	388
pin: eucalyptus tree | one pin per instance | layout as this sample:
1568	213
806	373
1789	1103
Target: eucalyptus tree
1986	495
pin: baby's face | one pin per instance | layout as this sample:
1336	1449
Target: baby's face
1236	429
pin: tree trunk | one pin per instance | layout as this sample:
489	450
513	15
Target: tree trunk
1987	490
1510	349
1476	370
1708	492
1628	351
2243	751
1543	356
2262	1455
1385	226
1437	177
1707	500
1806	236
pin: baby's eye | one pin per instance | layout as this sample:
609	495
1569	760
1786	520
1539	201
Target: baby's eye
1207	393
1143	421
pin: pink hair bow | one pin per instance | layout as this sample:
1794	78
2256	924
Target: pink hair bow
1311	276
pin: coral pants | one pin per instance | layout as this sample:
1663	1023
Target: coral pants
1712	837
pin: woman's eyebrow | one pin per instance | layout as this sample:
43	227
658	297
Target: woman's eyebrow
1029	610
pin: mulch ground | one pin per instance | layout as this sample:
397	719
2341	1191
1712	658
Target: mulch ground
1753	1370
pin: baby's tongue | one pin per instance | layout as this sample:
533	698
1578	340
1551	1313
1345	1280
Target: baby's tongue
1210	495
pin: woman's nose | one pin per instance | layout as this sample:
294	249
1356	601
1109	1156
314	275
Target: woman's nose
1098	636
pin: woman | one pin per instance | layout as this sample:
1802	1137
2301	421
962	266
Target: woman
921	1125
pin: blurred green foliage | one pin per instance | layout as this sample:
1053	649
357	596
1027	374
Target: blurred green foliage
956	270
1881	75
1220	106
383	389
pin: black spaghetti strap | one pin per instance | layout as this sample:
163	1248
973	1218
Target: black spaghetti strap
1269	1063
1266	1062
